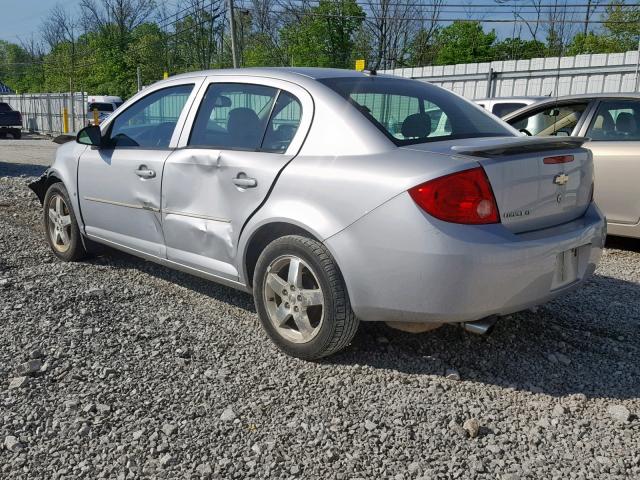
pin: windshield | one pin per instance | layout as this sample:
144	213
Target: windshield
410	112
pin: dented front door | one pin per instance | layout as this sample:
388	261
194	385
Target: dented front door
120	197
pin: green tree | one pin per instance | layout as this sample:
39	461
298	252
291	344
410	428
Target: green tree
518	49
592	43
260	51
464	42
324	37
19	70
622	24
423	48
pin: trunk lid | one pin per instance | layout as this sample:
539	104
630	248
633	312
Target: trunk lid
530	193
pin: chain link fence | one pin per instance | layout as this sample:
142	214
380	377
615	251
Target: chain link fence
43	112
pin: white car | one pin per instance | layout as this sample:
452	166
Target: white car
504	106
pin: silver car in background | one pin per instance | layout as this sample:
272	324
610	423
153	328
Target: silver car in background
333	196
503	106
612	124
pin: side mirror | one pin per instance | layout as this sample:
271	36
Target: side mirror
90	135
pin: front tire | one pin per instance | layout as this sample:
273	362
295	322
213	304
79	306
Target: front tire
61	226
301	298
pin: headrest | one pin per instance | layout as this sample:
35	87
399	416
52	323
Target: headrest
417	125
626	123
242	119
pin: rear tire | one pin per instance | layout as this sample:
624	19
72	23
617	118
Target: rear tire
61	226
301	298
16	134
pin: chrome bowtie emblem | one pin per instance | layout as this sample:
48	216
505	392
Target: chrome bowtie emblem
561	179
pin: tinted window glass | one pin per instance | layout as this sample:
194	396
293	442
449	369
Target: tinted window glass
233	116
4	107
410	112
283	124
502	109
551	121
150	122
616	121
101	107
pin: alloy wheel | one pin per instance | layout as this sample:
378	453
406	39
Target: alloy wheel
294	299
59	223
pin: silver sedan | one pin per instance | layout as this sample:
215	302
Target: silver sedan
334	197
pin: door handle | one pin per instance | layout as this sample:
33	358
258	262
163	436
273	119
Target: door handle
144	172
243	181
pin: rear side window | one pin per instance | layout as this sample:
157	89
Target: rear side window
4	107
283	125
616	121
504	109
237	116
411	112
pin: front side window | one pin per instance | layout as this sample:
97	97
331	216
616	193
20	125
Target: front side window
555	120
410	112
616	120
150	122
233	116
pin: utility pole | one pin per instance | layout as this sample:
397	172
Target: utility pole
139	78
232	23
638	68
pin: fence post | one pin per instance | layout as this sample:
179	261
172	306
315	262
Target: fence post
65	120
491	75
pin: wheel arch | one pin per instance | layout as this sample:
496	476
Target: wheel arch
263	236
41	185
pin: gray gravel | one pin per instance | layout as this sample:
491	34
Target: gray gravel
118	368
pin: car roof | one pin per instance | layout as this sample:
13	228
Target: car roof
284	73
509	99
569	98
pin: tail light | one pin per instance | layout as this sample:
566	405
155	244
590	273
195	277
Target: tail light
462	197
558	159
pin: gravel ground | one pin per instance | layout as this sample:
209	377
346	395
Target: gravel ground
118	368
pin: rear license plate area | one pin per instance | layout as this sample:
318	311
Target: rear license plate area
566	268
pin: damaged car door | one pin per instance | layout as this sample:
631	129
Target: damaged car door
120	182
233	146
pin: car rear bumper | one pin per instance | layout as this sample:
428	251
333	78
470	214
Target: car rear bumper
400	264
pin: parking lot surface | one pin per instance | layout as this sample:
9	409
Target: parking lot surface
36	150
138	371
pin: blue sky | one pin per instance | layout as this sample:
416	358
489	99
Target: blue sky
20	19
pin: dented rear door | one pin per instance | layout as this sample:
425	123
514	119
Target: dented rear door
212	184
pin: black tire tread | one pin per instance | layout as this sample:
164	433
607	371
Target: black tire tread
77	251
345	322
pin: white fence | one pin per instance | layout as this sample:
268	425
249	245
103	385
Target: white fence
593	73
42	112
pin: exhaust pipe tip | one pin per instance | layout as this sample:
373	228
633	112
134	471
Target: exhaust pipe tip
483	326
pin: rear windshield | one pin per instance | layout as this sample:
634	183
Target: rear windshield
411	112
4	107
101	107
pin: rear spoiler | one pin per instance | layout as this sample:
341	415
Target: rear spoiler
513	145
